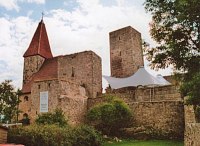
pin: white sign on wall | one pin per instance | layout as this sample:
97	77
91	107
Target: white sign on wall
44	102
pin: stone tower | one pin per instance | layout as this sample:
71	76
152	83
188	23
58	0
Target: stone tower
38	50
125	52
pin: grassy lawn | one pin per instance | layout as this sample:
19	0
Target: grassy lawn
145	143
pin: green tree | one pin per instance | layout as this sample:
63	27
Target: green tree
175	27
8	101
110	115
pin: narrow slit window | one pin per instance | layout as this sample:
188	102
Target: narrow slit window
73	73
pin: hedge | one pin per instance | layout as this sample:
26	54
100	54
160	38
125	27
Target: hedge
53	135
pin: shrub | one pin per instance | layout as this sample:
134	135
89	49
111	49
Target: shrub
57	117
53	135
86	136
110	116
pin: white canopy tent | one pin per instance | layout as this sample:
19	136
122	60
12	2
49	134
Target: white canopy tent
141	77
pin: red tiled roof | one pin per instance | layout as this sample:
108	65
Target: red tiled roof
40	43
48	71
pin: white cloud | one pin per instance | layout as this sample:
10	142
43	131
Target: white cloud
120	2
84	28
9	4
16	34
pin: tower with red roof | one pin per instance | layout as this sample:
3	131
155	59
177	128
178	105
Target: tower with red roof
65	81
38	51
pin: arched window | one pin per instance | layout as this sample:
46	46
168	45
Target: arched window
25	115
25	120
26	98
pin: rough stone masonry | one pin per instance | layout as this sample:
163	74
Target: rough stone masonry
74	83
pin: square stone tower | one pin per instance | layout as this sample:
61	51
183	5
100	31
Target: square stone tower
125	52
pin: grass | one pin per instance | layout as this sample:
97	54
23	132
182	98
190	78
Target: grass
145	143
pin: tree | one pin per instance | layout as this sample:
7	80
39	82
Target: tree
8	101
176	28
110	115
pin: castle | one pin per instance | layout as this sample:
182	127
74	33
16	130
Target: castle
68	81
58	82
74	83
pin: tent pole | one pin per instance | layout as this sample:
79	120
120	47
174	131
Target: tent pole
150	93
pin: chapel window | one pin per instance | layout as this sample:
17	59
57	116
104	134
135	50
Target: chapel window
26	98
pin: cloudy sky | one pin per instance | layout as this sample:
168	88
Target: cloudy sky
72	26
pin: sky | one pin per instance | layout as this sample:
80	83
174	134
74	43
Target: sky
72	26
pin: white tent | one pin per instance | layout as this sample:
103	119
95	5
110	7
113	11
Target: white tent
141	77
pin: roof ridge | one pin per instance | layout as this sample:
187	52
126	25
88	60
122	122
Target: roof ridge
39	37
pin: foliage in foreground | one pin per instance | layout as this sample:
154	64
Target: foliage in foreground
53	135
56	117
110	115
8	102
175	27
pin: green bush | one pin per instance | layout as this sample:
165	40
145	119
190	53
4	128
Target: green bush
36	135
110	115
53	135
57	117
86	136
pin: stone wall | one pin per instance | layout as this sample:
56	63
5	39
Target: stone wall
189	114
25	105
52	86
3	134
125	52
157	93
162	116
32	65
192	128
160	93
84	68
73	101
192	134
67	95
